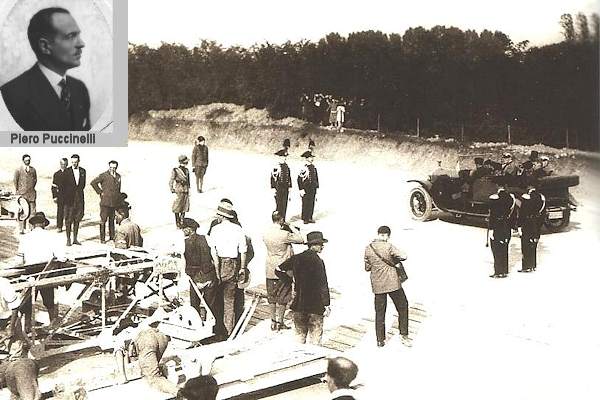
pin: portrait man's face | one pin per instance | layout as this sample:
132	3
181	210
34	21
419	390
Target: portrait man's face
66	45
27	160
112	168
63	164
75	162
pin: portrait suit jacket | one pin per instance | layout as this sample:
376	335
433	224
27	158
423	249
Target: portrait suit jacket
25	183
71	189
35	106
108	188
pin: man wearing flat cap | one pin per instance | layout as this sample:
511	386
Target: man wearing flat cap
200	161
281	182
308	183
199	265
228	241
311	302
180	186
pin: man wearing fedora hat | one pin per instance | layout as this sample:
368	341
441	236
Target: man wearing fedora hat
281	182
40	250
228	242
308	183
180	185
311	300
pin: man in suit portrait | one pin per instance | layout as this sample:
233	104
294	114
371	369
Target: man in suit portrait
45	98
74	201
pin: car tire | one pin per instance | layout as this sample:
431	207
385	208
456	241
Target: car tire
421	204
556	225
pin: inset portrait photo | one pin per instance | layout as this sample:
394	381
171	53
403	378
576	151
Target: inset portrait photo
56	65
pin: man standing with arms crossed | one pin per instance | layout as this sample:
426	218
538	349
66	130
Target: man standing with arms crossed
25	180
228	240
57	193
108	186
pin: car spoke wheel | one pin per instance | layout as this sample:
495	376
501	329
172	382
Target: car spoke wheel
421	204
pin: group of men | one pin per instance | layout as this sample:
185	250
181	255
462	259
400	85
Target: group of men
535	166
307	180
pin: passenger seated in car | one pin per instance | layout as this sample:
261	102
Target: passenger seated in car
480	169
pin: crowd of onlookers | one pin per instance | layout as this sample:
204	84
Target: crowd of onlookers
335	112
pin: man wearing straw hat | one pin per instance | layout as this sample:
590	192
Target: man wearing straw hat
228	241
180	186
311	301
40	250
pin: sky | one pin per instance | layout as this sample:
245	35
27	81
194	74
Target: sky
244	23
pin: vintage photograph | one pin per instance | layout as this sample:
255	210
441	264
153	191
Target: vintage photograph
57	65
317	201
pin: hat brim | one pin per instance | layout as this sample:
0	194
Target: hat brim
223	214
317	241
39	220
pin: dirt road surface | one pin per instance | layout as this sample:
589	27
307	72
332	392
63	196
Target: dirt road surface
530	336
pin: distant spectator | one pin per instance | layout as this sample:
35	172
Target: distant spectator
200	161
340	374
332	108
204	387
340	118
180	186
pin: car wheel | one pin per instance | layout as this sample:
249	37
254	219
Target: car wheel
421	205
556	225
24	210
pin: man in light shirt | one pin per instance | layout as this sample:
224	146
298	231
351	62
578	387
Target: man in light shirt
25	180
45	98
40	250
227	240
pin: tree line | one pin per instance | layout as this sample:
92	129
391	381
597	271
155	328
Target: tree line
446	81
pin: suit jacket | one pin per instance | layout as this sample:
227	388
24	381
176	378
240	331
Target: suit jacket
310	277
58	184
384	277
279	247
73	190
108	188
35	106
200	156
25	183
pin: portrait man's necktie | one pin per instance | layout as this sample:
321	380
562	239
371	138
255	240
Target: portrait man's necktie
65	94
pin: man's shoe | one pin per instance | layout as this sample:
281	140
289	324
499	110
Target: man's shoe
502	275
282	327
494	276
76	242
311	221
274	325
380	343
68	243
60	230
525	270
405	340
102	241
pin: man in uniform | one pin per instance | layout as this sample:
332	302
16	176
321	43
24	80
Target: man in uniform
281	182
57	193
200	161
74	199
311	301
180	186
308	183
199	266
531	218
502	207
278	241
108	186
508	167
25	180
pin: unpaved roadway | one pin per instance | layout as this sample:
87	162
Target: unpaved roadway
530	336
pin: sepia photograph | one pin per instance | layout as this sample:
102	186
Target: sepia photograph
322	200
57	65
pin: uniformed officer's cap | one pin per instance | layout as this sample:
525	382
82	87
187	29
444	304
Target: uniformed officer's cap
307	154
183	158
533	156
281	153
506	155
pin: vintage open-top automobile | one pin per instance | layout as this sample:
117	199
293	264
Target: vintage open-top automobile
461	195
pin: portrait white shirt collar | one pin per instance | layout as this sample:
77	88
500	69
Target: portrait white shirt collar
53	78
76	174
342	392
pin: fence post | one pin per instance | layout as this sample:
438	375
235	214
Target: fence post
378	122
508	130
418	122
462	132
567	137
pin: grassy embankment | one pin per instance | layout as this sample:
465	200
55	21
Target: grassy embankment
233	127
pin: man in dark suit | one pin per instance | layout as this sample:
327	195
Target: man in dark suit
531	219
44	98
502	211
281	182
57	193
308	183
74	198
340	374
108	186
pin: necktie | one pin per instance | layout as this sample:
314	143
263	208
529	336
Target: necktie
65	94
